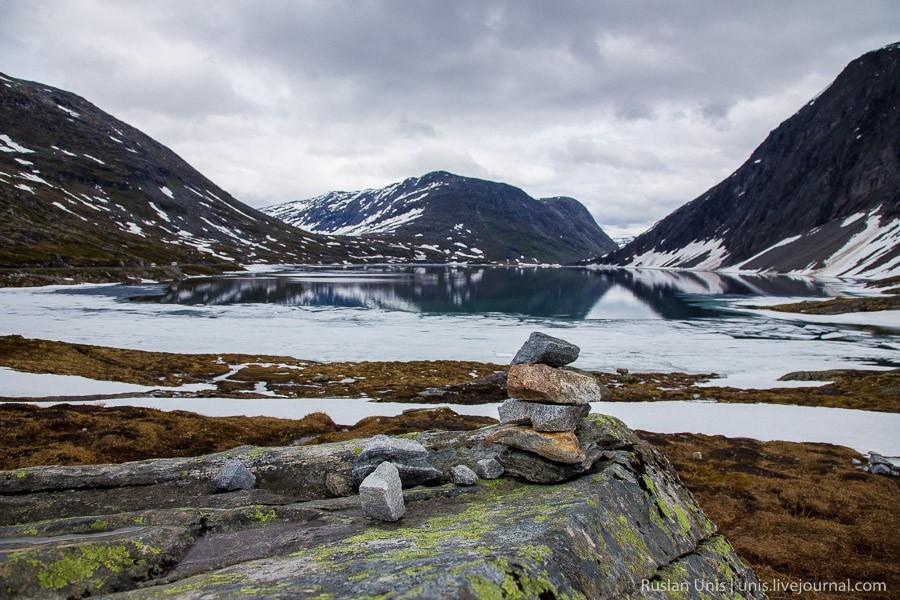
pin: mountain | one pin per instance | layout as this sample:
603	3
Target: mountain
465	219
78	187
821	195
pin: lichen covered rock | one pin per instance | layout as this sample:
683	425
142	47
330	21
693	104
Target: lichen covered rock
619	518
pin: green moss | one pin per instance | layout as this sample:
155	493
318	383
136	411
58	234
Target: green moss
204	582
673	511
473	523
357	450
637	553
254	452
517	585
484	588
675	574
257	514
21	474
682	517
146	548
99	525
80	564
418	570
139	520
534	553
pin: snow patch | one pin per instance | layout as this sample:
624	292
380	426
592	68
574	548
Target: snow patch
713	251
8	145
68	111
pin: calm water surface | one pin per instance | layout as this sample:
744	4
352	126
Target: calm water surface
573	294
644	320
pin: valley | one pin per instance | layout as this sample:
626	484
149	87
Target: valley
204	398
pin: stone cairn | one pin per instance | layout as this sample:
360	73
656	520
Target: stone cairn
546	405
546	401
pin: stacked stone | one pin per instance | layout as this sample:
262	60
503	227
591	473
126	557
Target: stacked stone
546	402
383	468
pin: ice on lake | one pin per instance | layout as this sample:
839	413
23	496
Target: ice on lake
644	320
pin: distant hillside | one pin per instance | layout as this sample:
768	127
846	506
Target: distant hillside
465	219
821	195
78	187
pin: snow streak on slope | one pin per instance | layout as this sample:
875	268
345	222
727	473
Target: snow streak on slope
820	195
705	255
79	185
868	247
364	212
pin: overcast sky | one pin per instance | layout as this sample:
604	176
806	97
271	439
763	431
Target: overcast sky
634	108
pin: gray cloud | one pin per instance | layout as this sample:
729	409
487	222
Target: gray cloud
634	108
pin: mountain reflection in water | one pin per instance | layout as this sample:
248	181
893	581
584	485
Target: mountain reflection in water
530	292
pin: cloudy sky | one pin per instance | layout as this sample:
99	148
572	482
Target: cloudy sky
632	107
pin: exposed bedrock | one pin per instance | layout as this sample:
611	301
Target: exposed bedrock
160	528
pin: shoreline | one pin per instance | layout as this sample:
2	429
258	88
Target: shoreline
433	381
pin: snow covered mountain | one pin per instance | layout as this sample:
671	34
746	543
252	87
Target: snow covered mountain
465	219
78	187
821	195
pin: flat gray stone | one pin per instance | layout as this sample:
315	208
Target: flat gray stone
548	418
234	476
489	468
544	349
381	494
409	456
463	475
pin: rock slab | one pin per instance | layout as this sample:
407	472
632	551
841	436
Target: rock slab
410	458
541	348
618	519
381	494
543	417
463	475
234	476
540	383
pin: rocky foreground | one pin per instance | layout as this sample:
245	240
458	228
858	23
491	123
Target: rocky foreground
160	528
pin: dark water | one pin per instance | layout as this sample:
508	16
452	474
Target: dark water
546	293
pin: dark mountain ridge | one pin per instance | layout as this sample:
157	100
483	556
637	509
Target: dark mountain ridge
820	195
464	218
79	187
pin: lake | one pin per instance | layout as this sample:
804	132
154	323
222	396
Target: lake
638	319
